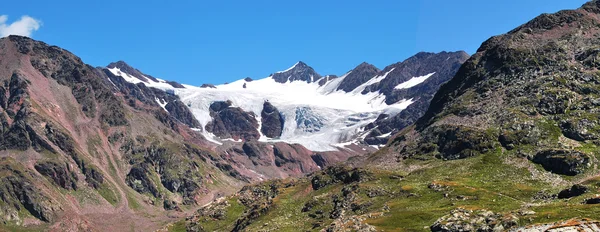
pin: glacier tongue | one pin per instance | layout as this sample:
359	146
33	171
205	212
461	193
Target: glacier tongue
318	117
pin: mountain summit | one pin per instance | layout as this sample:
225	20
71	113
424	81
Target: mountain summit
358	76
299	72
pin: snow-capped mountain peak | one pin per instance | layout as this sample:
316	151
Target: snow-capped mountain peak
133	75
298	72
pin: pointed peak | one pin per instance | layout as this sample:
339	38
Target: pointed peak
301	64
299	71
364	65
297	65
119	64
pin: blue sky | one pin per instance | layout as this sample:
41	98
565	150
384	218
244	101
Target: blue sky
197	42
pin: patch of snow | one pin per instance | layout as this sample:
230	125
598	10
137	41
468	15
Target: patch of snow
233	140
384	135
162	103
159	84
371	81
413	82
211	137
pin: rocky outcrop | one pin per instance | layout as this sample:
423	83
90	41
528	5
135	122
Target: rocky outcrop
299	72
338	174
469	220
60	174
18	192
182	113
563	226
564	162
272	121
326	79
358	76
232	122
574	191
155	171
208	86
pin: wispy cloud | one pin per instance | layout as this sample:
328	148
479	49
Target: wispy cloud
24	26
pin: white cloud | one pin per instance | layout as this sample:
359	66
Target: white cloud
24	26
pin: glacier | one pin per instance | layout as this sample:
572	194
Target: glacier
319	117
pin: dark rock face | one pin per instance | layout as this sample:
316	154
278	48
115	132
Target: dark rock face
208	86
17	190
574	191
564	162
60	174
300	72
326	79
358	76
182	113
257	153
272	121
444	65
450	143
156	170
63	141
232	122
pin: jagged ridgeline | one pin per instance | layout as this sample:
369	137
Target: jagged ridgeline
84	149
510	143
